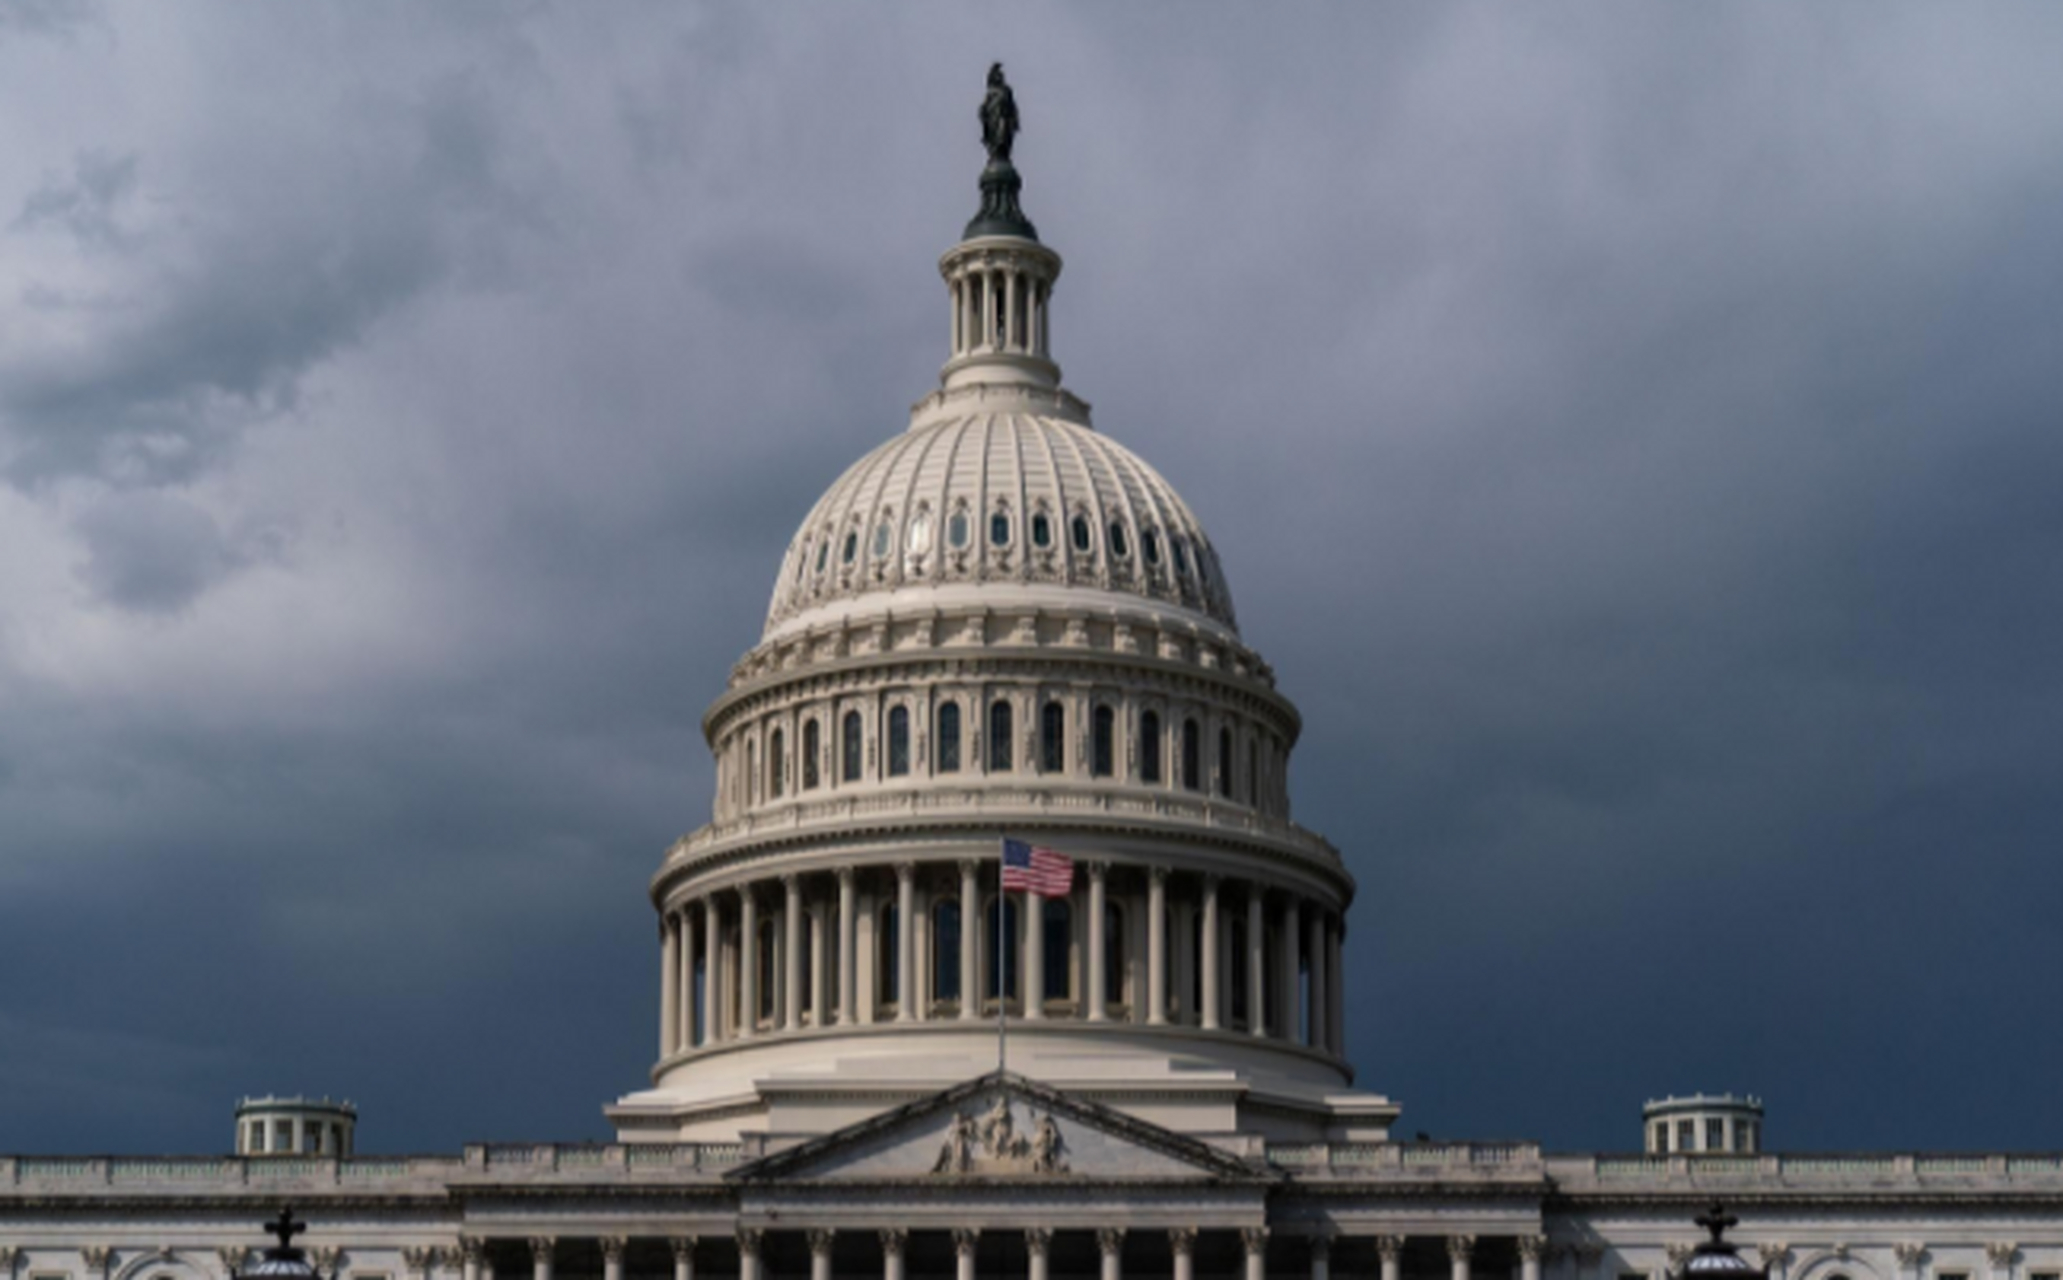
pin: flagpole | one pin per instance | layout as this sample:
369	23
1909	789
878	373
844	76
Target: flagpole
1002	932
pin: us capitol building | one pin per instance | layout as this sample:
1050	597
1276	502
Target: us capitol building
1002	622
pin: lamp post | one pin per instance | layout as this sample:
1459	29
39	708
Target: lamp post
1716	1259
282	1261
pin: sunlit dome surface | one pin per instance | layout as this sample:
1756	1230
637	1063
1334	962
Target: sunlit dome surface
992	500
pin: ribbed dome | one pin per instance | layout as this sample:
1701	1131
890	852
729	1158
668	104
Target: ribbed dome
1000	498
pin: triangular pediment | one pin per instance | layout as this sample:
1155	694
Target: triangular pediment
1001	1127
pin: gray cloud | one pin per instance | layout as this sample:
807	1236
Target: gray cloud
1629	432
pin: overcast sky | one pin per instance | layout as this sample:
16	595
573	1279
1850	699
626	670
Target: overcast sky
1633	432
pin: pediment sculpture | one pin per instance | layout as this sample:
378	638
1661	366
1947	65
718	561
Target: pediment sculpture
992	1144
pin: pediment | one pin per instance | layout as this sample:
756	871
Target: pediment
1001	1127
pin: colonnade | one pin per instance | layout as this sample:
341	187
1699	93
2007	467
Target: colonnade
1000	304
1130	944
753	1246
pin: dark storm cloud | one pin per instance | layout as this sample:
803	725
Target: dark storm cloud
1630	432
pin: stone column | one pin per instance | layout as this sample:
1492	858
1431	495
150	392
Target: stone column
1320	1037
905	942
1530	1249
1255	1240
1210	953
965	1240
1257	961
791	953
819	999
970	941
848	967
669	985
749	1241
1909	1253
1034	959
1098	945
1290	1001
1999	1254
1335	991
96	1257
1037	1242
1157	947
683	1257
1182	1243
469	1250
541	1250
748	963
712	971
1321	1256
892	1241
612	1256
420	1261
685	983
1390	1249
1110	1243
1459	1250
820	1241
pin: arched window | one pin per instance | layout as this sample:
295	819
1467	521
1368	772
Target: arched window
1103	755
1149	541
1253	774
751	771
852	547
1056	923
1192	756
999	529
1078	529
1007	931
887	956
811	745
956	529
1181	557
1113	953
948	737
823	554
850	772
883	536
1149	746
1041	529
1118	547
777	763
945	949
768	957
1225	763
1053	738
999	736
898	741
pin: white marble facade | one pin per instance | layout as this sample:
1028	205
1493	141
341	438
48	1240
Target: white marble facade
1002	622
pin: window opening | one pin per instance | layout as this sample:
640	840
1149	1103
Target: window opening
948	737
852	747
811	745
1225	763
1079	529
898	741
999	529
1149	746
882	536
1150	542
1053	738
999	736
956	529
1041	529
1118	546
1102	757
1192	756
945	950
777	763
852	546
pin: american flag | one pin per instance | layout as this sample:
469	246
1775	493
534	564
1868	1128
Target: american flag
1029	868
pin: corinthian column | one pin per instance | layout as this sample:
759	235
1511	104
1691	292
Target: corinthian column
965	1240
669	985
541	1251
1321	1256
1157	947
1335	992
1110	1243
1256	962
1530	1249
820	1241
1210	953
1290	1000
1093	979
748	963
1390	1249
1459	1250
683	1257
1256	1241
892	1241
848	985
1320	1037
905	942
1037	1242
1034	956
612	1256
970	938
1182	1243
791	953
712	971
749	1241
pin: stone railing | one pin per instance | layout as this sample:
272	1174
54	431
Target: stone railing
565	1162
985	806
1435	1160
1807	1171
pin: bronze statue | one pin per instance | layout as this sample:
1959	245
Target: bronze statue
998	116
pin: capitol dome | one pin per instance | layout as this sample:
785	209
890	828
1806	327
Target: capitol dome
999	625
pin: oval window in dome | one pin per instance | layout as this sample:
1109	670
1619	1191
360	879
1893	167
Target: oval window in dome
999	529
920	533
1079	530
823	554
852	547
1042	529
1149	541
1203	568
883	535
1118	546
956	529
1181	559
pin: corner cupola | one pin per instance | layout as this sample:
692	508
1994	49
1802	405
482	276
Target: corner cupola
999	275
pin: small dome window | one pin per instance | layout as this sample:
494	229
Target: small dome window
1203	567
1042	529
999	529
852	547
823	554
1118	546
1079	530
883	535
1149	541
956	529
920	533
1181	557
